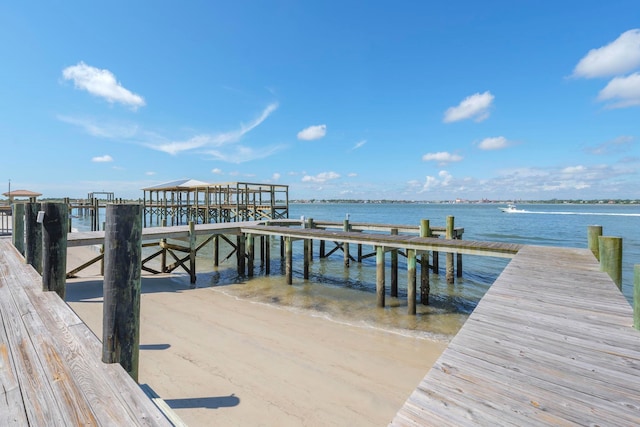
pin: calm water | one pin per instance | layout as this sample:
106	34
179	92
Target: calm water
348	295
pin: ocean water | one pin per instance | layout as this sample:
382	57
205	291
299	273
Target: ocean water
347	295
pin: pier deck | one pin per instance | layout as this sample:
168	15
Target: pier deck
550	343
50	367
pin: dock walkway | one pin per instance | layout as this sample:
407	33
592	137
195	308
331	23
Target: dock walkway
551	343
51	372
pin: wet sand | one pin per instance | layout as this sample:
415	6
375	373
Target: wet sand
221	360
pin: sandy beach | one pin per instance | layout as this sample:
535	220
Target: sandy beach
220	360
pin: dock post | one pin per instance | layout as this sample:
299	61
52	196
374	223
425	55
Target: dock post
394	267
305	256
380	275
345	245
267	255
449	235
593	232
310	226
411	281
240	252
54	244
192	252
122	282
33	247
610	250
216	251
17	230
288	260
636	296
250	254
425	285
322	251
163	246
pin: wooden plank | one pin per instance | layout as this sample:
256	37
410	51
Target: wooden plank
83	389
550	343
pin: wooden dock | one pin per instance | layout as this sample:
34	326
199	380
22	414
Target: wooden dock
50	367
551	343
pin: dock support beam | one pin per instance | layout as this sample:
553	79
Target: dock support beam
192	252
394	266
449	235
380	276
411	281
54	244
288	260
345	245
425	285
121	315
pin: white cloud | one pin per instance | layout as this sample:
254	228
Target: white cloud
474	107
442	157
618	57
572	170
101	83
431	182
102	129
321	177
150	173
276	177
622	91
616	145
496	143
241	153
312	132
216	171
215	140
359	144
352	175
102	159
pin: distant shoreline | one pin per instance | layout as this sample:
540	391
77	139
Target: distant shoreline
474	202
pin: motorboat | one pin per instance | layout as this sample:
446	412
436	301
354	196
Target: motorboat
511	208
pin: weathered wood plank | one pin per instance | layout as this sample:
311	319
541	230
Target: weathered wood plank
550	343
55	360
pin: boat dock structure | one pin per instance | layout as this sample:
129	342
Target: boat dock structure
552	342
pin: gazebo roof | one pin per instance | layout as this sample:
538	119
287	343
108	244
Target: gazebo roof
182	184
21	193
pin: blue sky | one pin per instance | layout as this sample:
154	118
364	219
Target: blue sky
414	100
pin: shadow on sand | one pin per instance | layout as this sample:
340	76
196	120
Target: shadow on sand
204	402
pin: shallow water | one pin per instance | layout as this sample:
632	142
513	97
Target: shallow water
347	295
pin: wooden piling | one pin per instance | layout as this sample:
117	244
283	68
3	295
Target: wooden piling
250	254
306	256
636	296
610	255
394	268
380	291
17	230
411	281
345	245
54	244
593	232
216	251
425	285
310	225
163	256
121	313
240	252
267	255
192	252
33	244
288	260
449	235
